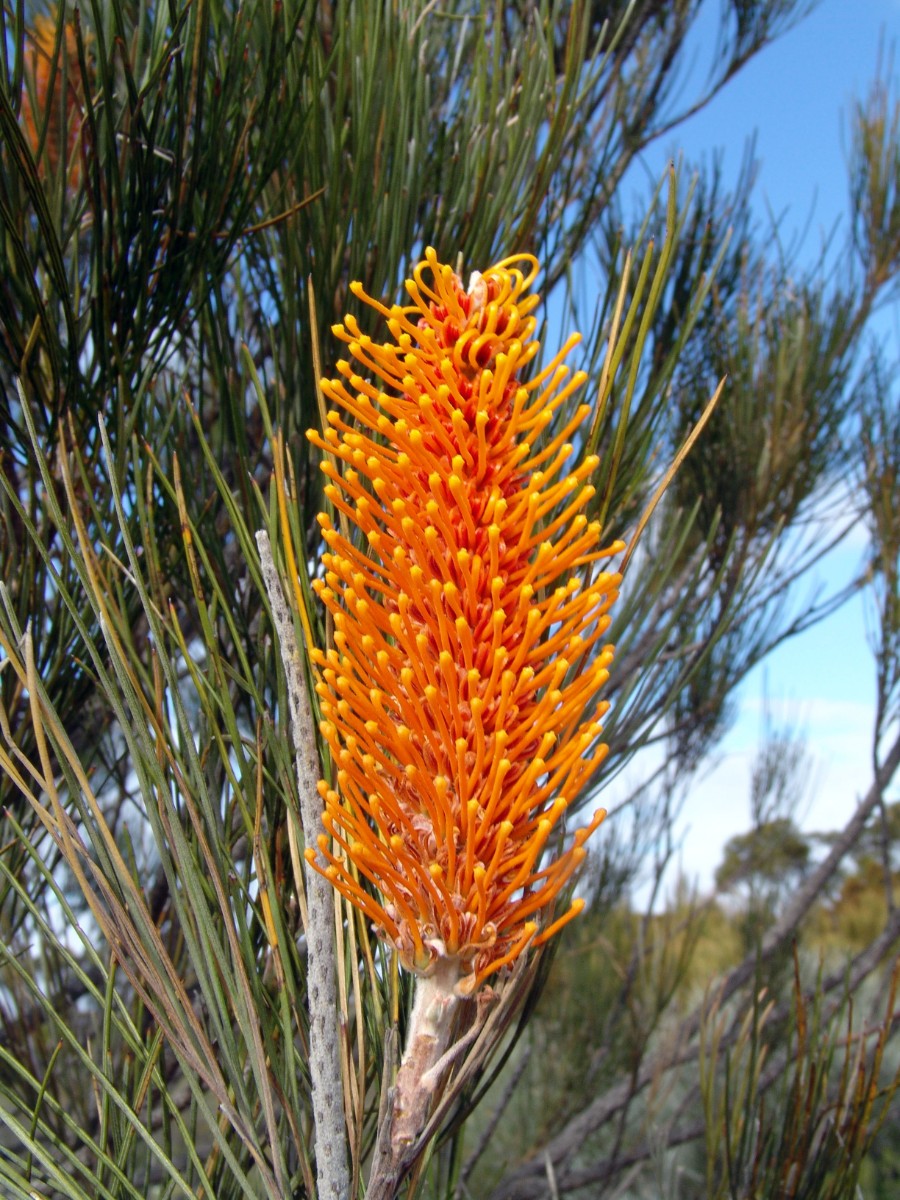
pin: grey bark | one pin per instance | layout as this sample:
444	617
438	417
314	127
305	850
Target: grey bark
332	1169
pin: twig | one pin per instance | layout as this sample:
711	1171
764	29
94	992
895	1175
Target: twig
491	1127
551	1177
382	1157
332	1171
670	474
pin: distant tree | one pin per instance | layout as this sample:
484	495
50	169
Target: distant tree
765	862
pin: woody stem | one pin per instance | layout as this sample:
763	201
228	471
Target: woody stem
430	1030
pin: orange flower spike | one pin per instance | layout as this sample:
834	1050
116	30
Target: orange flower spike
460	701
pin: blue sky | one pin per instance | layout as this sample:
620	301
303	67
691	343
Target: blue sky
797	96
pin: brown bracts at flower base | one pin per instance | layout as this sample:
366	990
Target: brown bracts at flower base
460	699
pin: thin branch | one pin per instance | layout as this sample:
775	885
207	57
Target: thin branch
332	1171
670	472
491	1127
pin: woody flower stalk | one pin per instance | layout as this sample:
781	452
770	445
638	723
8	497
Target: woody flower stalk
469	602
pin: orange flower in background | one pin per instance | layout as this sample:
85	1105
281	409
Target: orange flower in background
64	120
459	702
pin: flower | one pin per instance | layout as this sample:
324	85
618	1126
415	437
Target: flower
39	105
468	615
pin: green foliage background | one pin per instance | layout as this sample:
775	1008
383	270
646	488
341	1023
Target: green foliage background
164	322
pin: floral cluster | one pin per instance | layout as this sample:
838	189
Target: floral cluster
469	601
